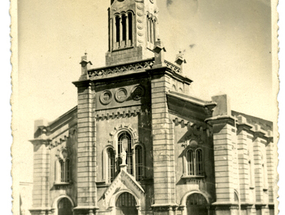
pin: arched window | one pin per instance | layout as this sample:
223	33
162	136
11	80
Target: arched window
112	159
139	162
130	20
194	162
154	30
111	164
190	162
117	23
151	28
62	168
64	207
124	28
199	162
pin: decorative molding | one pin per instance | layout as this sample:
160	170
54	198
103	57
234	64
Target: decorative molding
195	132
62	137
137	92
146	64
172	66
121	95
105	97
117	113
117	129
123	182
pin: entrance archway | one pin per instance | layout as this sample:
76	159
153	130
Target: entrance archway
196	204
64	207
126	205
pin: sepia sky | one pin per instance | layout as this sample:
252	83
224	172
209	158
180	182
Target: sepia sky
227	46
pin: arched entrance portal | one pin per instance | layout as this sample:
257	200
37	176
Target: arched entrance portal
126	205
64	207
196	204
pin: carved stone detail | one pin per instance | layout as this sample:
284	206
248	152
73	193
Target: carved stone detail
62	137
120	113
124	127
172	66
147	64
106	97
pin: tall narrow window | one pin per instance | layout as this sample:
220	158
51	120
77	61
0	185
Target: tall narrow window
139	163
67	170
194	162
111	165
151	30
148	28
64	170
190	162
154	28
130	20
199	162
117	28
124	28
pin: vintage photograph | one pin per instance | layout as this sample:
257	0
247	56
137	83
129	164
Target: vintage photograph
144	107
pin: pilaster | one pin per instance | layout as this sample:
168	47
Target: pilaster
41	174
271	171
258	170
223	142
163	147
86	151
245	158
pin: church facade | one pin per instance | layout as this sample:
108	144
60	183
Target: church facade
138	144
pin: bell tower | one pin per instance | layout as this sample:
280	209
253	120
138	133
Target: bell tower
133	30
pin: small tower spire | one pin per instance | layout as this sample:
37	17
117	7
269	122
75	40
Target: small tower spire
84	67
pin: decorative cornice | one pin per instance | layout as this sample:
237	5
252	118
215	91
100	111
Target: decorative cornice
122	68
62	137
189	123
172	66
117	113
221	120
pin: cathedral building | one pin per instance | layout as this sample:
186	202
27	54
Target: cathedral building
137	143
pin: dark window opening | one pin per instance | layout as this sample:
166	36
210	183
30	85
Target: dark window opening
139	163
124	27
117	29
130	20
111	165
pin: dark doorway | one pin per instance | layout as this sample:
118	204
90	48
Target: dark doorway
196	205
64	207
126	205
